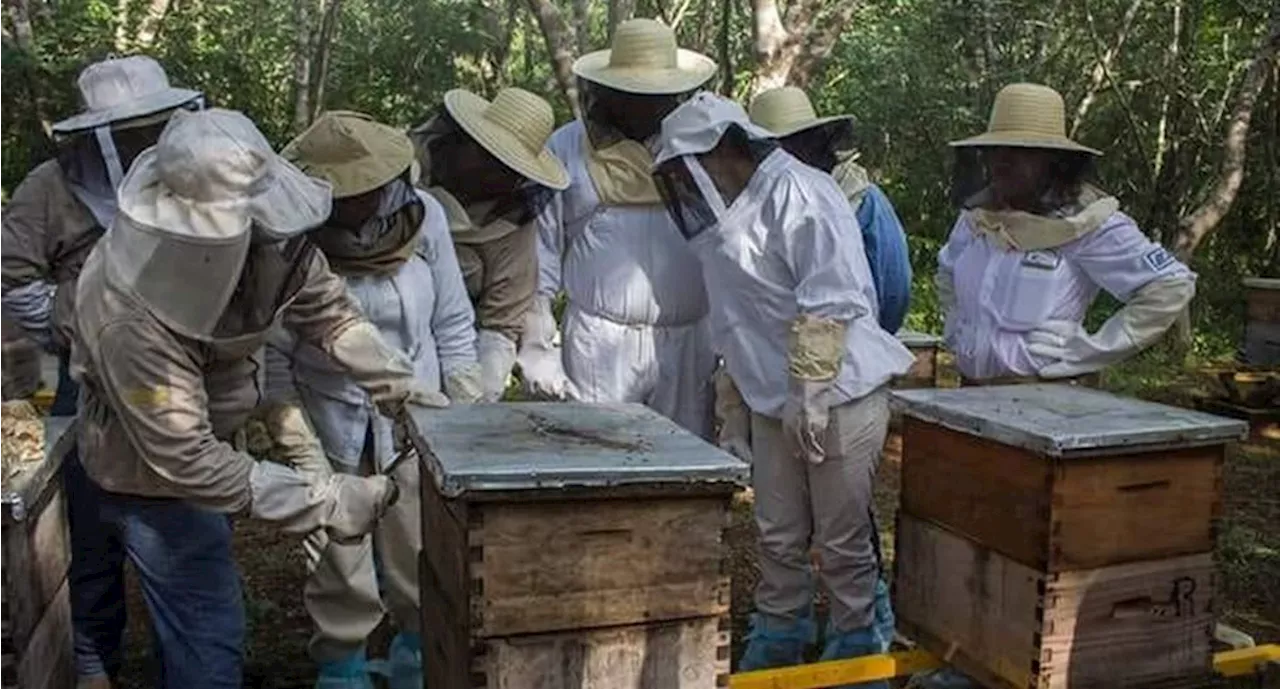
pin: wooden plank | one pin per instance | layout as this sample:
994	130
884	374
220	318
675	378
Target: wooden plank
1129	625
37	555
444	591
966	598
48	660
1111	510
598	563
691	654
994	494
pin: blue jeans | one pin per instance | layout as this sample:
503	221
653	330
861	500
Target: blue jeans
64	397
182	556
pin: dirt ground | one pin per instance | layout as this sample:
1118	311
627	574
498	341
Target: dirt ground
1248	557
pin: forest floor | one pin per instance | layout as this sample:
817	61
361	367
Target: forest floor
1248	557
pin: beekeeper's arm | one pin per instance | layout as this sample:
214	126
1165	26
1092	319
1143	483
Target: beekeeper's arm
887	255
820	253
28	287
453	322
1154	286
157	393
324	315
278	365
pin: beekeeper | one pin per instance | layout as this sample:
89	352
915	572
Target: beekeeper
390	242
1034	243
793	312
487	164
635	322
65	204
173	307
827	144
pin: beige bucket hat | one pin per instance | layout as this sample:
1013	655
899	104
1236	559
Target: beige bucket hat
212	175
351	151
644	59
123	89
514	128
1027	116
787	110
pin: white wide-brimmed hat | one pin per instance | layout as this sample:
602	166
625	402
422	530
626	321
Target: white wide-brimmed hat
697	125
1027	116
644	59
787	110
123	89
213	175
351	151
514	128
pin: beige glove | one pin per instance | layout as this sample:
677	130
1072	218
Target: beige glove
539	358
816	351
733	418
344	506
462	384
1072	351
383	372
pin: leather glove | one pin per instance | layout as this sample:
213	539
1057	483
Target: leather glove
539	358
816	351
345	506
733	418
497	354
382	371
1072	351
462	384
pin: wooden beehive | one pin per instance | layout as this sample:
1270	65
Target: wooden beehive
924	371
572	545
1059	537
1262	321
37	613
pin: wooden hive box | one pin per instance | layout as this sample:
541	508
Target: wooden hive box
1262	321
572	546
37	612
1054	536
924	372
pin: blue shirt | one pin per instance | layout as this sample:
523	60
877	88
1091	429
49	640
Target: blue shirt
886	247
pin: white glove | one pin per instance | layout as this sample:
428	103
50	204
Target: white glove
733	417
1072	351
497	354
462	384
539	357
345	506
805	416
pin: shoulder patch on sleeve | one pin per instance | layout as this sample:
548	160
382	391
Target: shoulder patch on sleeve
146	398
1158	258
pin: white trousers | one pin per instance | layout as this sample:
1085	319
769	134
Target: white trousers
799	505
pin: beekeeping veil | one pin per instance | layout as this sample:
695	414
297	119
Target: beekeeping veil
205	218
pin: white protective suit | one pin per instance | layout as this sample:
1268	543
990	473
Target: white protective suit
776	259
635	328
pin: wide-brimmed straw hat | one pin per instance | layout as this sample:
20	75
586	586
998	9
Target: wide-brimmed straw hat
351	151
123	89
1027	116
212	175
514	128
787	110
645	59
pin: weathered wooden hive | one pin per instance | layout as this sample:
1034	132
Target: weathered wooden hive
1058	537
924	372
1262	321
572	545
37	610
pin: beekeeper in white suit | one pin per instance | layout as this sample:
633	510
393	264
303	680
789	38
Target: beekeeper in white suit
635	323
793	311
173	308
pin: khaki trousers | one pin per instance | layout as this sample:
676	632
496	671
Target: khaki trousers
826	506
342	594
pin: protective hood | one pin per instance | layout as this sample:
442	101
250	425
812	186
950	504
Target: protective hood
698	125
1022	231
384	241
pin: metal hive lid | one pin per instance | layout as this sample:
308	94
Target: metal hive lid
1065	420
912	338
547	445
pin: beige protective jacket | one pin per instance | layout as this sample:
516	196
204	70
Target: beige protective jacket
47	236
157	408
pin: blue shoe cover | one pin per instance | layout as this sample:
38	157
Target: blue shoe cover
855	644
349	673
885	622
404	661
774	644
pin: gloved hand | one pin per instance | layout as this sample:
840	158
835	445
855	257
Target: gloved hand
379	369
816	351
539	357
1072	351
345	506
733	418
462	384
497	354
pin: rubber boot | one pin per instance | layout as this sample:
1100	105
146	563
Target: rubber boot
348	673
404	661
771	643
855	644
885	622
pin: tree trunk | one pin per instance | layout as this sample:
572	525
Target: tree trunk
320	61
775	52
301	65
559	40
1103	66
792	52
157	10
619	11
582	25
24	37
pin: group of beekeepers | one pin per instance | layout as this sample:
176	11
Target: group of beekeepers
239	330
